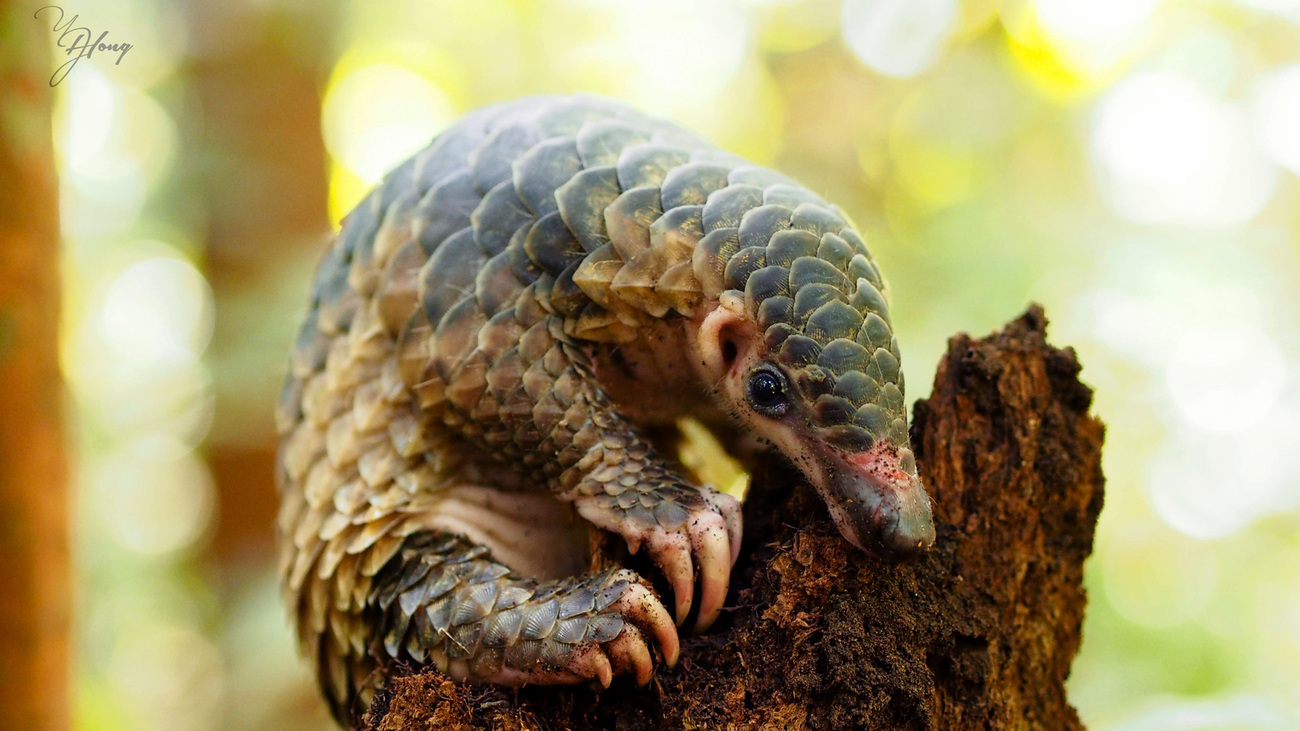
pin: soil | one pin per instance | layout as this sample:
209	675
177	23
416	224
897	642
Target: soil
977	634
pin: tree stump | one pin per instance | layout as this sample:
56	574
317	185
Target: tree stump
977	634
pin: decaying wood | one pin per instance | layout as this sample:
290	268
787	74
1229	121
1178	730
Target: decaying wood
979	634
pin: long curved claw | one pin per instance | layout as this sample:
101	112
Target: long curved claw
591	662
672	553
729	508
641	607
630	655
710	542
703	541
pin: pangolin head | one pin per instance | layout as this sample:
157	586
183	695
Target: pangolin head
809	362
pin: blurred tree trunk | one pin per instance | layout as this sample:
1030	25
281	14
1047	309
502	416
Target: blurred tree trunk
253	163
257	160
977	634
34	551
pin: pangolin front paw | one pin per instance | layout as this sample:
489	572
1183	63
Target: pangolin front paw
685	529
594	632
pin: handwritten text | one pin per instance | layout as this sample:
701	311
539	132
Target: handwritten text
77	40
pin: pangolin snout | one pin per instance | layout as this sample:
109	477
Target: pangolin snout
911	525
878	502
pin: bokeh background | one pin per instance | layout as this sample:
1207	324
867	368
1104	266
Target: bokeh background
1131	164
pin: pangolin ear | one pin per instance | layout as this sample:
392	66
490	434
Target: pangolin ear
726	336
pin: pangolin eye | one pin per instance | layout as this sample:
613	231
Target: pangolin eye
767	393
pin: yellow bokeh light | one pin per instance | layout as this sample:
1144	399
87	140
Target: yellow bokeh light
976	18
1044	65
377	115
899	38
381	105
794	27
934	176
703	455
346	191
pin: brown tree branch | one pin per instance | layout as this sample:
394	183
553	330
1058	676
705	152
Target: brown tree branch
979	634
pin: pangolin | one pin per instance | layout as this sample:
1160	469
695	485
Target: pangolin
498	340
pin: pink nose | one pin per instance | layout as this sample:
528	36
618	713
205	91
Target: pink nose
879	504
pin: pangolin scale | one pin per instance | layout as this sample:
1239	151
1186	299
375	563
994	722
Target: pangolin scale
494	338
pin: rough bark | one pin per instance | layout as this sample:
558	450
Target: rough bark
978	634
34	553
